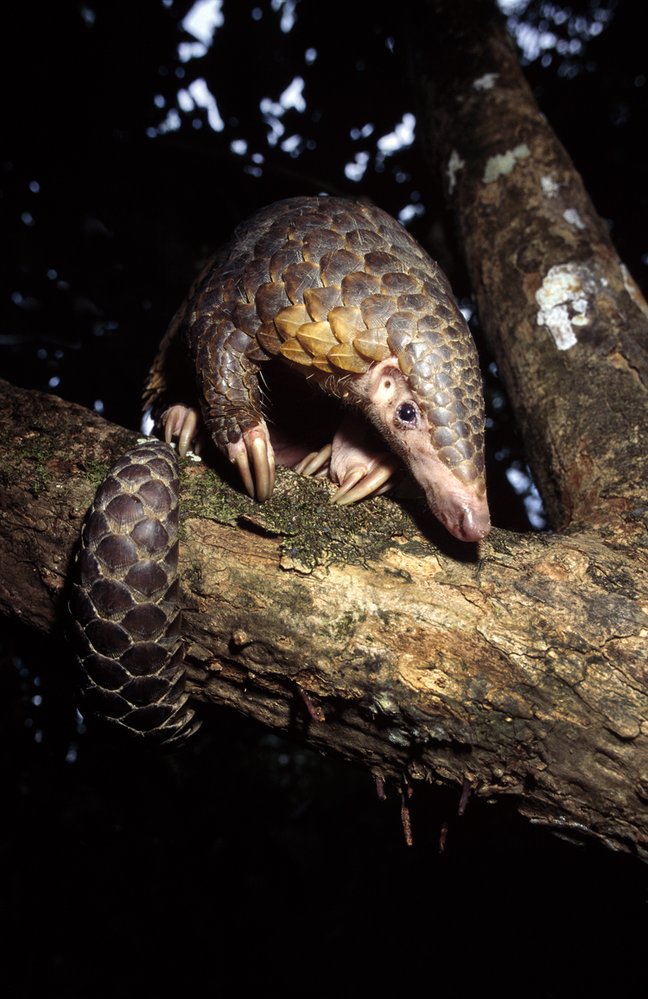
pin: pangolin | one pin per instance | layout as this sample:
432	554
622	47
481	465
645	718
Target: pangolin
345	297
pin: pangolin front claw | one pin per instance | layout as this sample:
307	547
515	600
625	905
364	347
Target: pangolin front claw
254	457
315	463
362	481
183	423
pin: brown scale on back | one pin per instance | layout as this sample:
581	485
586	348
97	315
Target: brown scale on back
335	287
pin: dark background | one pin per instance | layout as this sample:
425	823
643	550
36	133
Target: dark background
248	861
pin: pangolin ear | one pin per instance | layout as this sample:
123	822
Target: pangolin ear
385	381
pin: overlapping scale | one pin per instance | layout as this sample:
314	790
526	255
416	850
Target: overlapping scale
125	599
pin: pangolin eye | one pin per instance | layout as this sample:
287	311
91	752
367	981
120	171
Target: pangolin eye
407	413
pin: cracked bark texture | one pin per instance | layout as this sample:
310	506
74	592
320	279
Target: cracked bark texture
518	670
563	315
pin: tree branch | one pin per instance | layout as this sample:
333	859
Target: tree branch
520	672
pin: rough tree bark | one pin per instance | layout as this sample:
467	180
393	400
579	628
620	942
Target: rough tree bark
518	670
564	316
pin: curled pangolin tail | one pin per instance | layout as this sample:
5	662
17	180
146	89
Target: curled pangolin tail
125	603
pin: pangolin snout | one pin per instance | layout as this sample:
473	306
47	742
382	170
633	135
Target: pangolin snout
473	524
464	515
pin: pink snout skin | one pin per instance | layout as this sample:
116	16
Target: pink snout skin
467	521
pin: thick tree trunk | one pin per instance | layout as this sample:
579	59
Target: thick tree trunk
519	671
565	319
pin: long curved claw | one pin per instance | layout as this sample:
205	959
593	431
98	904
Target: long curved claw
189	433
316	462
264	467
242	462
360	483
254	457
182	422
